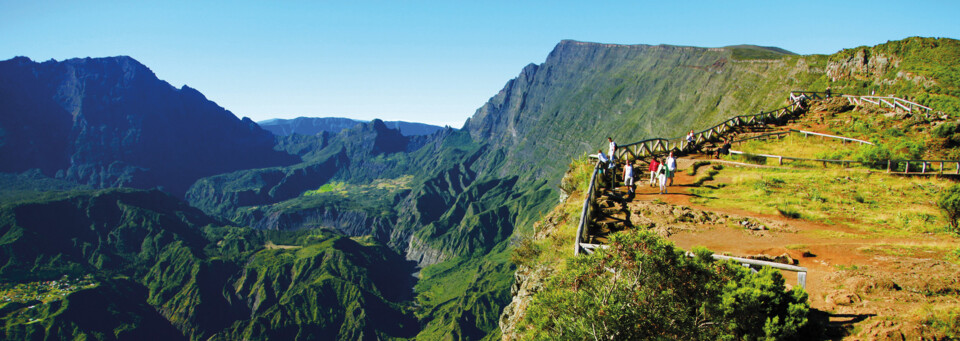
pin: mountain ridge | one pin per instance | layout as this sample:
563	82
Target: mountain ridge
111	122
333	125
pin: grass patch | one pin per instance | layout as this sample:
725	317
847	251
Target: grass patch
709	176
789	212
870	202
696	166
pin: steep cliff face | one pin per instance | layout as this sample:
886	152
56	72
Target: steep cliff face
109	122
585	92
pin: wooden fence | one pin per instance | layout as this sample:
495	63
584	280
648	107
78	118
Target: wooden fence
890	101
648	147
586	215
781	134
921	167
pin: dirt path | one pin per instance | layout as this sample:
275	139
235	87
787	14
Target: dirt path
823	255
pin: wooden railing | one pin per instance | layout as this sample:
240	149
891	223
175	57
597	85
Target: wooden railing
801	271
780	134
763	137
587	213
890	101
923	167
653	146
893	166
780	158
841	138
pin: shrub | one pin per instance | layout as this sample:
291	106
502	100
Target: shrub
643	288
946	129
950	204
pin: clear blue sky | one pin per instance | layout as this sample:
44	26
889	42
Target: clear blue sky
426	61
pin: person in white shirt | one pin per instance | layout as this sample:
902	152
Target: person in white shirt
671	167
628	176
662	178
613	148
603	158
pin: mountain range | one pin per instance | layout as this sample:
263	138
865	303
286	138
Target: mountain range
333	125
253	228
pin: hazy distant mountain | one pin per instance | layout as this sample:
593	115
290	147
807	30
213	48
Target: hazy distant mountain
110	122
333	125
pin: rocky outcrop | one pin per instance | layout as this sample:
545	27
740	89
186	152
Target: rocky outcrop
527	282
422	253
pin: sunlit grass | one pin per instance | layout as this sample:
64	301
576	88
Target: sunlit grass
871	202
796	145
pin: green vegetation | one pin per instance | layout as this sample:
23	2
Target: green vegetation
44	291
949	202
946	320
643	288
754	53
335	186
696	166
868	202
145	252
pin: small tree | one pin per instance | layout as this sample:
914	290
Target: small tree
643	288
950	204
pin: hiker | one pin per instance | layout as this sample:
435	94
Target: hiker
654	163
604	160
671	167
662	177
692	142
724	149
604	164
613	148
628	176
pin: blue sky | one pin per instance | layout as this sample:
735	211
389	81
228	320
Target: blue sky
425	61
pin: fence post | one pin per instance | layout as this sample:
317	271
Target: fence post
888	166
924	169
907	170
780	160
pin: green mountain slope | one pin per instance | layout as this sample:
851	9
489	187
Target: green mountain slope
167	267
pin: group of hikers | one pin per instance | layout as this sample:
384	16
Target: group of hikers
661	169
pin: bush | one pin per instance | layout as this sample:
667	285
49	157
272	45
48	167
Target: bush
643	288
950	204
946	129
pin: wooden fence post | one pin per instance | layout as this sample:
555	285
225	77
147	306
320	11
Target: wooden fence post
888	166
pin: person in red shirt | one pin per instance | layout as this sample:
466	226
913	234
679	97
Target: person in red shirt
653	171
